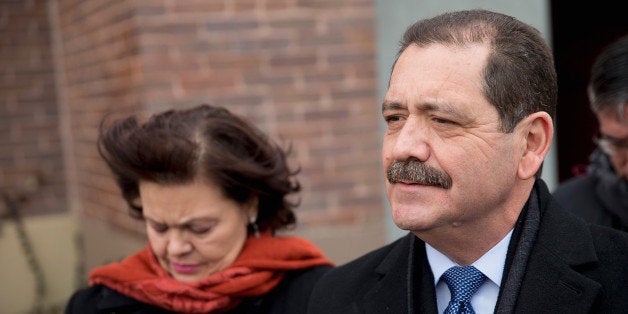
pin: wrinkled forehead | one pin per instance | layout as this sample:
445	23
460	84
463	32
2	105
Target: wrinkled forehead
438	70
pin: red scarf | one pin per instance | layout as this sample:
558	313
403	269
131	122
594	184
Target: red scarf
257	270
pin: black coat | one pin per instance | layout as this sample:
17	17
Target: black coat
290	296
573	267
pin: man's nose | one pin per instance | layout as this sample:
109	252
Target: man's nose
412	141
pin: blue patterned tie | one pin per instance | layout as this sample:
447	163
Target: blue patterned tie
463	282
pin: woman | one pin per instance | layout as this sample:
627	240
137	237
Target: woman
212	190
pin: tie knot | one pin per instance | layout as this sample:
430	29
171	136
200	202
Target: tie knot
463	282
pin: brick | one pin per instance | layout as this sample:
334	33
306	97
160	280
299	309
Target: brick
290	66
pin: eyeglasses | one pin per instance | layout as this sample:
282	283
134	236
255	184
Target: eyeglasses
611	145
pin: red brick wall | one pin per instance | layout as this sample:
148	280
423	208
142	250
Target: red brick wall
30	145
99	58
303	70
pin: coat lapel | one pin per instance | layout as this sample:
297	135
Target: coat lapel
389	295
421	280
405	283
553	282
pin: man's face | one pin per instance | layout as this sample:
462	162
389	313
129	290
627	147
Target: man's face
615	132
437	115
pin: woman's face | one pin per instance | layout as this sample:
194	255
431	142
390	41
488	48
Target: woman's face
194	230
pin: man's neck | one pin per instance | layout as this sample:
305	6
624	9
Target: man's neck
464	243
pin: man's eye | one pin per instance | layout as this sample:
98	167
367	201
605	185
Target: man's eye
442	121
393	118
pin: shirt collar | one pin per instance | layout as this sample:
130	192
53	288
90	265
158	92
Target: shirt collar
491	264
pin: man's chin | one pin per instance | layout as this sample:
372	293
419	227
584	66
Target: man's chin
404	222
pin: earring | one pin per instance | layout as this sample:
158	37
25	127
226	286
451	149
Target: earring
254	226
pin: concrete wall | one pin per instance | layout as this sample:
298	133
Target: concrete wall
53	239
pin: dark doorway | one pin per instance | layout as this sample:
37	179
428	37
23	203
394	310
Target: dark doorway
579	33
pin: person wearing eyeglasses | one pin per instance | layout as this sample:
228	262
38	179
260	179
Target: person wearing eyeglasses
601	196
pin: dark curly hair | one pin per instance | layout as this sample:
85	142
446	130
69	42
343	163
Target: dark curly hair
208	143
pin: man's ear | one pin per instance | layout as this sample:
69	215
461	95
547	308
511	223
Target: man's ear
537	131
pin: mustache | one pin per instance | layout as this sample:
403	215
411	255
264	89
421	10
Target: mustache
417	172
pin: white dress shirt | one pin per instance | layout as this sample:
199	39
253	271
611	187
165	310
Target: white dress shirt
491	264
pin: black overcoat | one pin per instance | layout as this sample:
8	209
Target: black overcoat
573	267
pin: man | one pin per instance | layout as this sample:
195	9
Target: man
602	195
469	112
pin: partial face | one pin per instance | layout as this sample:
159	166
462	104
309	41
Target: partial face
193	229
437	116
615	131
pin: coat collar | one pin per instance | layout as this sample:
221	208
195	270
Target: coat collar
561	253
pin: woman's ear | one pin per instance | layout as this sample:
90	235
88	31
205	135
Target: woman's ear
252	208
537	131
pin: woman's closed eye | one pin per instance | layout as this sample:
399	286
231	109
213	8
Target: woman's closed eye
158	227
200	228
